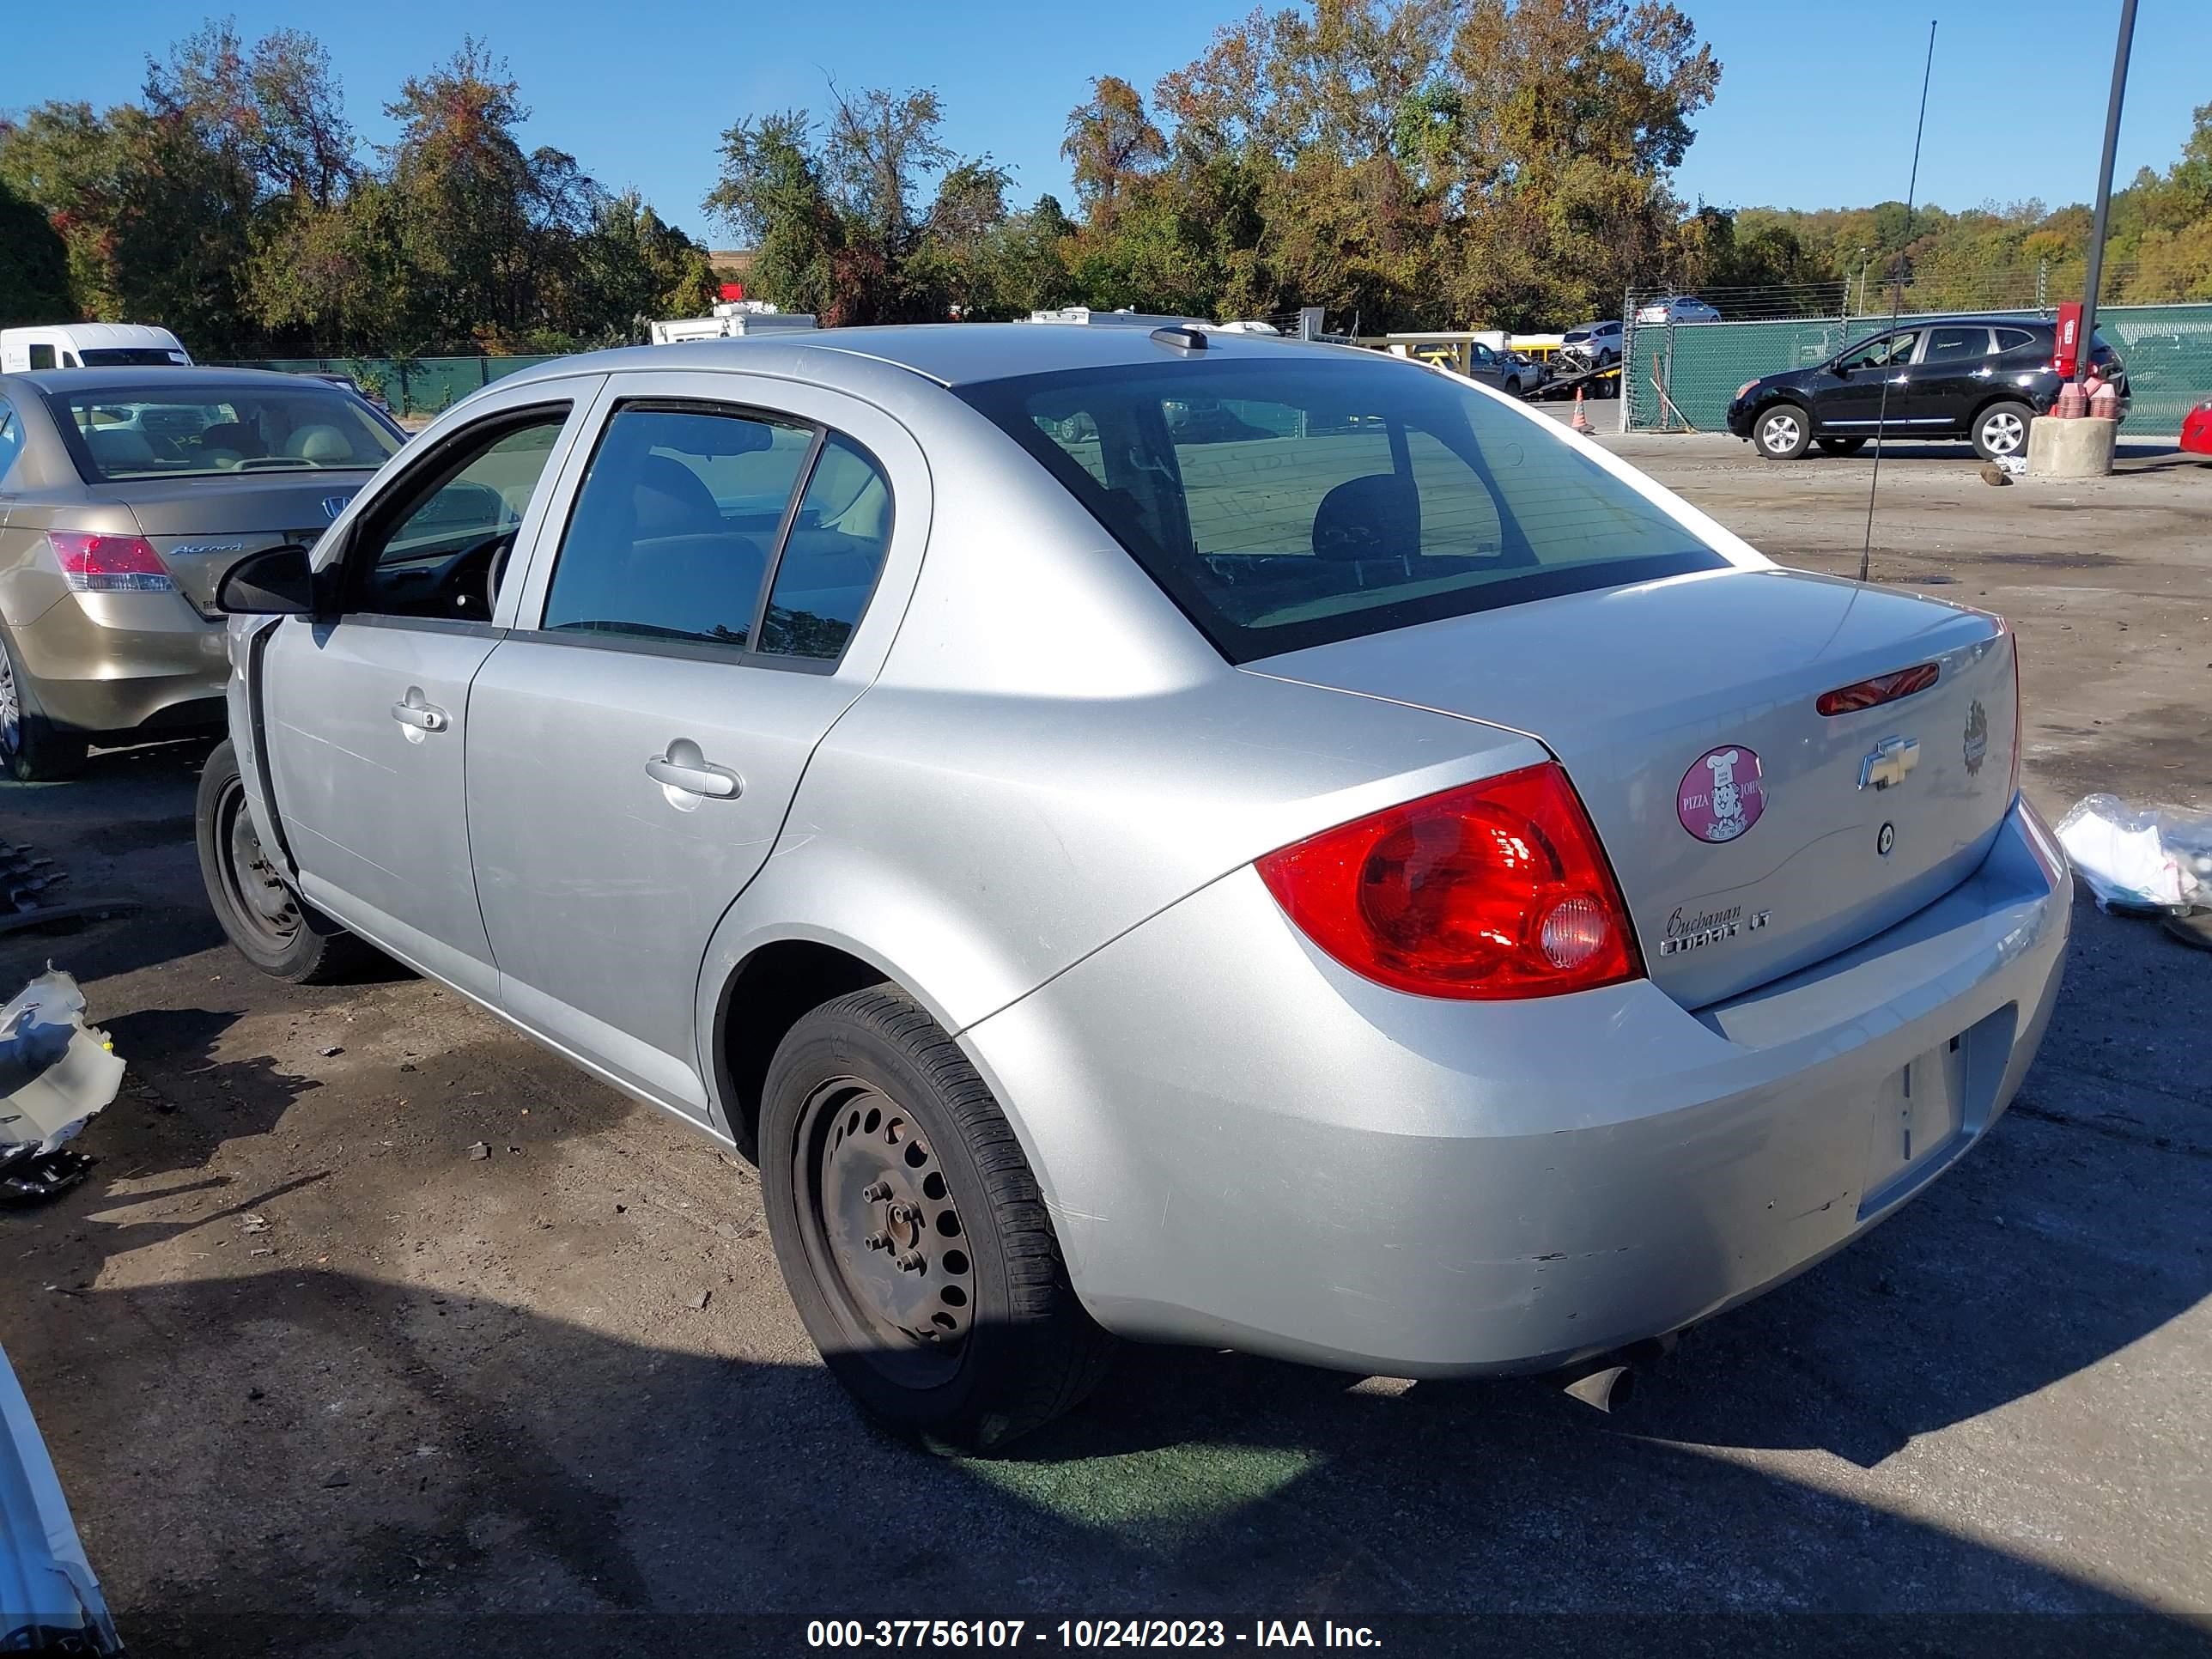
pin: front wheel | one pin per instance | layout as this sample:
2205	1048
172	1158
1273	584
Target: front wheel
912	1232
269	924
32	750
1512	388
1840	446
2002	429
1783	433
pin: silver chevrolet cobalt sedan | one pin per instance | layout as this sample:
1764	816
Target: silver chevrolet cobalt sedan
1196	838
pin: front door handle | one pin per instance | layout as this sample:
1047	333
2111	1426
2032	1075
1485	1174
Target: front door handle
419	714
683	767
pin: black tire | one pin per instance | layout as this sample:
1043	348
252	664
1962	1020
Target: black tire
2002	429
1512	388
1840	446
269	924
859	1076
33	748
1781	432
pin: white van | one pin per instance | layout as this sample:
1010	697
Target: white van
89	345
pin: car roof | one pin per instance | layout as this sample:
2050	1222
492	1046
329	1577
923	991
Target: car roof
1964	319
103	334
950	354
168	376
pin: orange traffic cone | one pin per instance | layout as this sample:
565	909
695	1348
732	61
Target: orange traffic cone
1581	423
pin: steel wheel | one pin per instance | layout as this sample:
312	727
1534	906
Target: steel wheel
884	1234
259	900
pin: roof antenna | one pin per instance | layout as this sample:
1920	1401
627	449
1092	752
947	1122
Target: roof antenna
1896	306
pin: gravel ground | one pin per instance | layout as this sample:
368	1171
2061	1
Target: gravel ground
319	1382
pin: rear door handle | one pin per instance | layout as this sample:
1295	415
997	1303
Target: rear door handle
692	775
419	714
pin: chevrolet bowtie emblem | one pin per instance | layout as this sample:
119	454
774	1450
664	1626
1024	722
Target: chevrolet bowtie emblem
1892	759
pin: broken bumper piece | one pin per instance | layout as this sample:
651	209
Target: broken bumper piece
56	1072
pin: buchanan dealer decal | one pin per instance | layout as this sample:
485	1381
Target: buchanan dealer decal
1704	927
1722	793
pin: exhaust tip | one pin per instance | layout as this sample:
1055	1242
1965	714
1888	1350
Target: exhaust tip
1607	1388
1608	1381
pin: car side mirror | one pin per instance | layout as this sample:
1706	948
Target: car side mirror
1839	371
277	581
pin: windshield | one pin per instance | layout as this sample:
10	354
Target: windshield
1323	496
150	432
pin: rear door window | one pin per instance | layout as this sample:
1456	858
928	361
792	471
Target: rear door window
675	524
831	557
1950	345
42	356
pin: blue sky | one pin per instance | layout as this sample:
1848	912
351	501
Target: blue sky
1815	109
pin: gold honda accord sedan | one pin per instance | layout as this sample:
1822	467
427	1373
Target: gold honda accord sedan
125	496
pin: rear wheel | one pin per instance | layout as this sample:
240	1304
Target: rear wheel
2002	429
1783	433
32	749
1840	446
270	926
911	1231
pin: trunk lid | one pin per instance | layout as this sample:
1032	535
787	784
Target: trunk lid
201	527
1661	698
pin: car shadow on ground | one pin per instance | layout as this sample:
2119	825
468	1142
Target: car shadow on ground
424	1472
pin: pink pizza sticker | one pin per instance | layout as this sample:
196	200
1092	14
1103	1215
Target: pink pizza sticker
1722	793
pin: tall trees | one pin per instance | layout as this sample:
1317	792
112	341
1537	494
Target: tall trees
233	204
837	213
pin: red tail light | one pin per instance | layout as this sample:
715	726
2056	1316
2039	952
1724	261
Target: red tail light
1497	890
109	564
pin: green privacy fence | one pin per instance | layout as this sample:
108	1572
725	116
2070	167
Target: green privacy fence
1699	366
412	386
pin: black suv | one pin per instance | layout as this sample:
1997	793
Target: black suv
1978	378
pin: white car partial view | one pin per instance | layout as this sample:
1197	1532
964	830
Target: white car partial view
1680	309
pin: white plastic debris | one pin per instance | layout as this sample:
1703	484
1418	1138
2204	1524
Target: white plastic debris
2013	465
2155	859
56	1072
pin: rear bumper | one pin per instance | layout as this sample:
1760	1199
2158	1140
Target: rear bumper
1243	1144
119	663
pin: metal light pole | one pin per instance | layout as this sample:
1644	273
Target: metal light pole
2105	189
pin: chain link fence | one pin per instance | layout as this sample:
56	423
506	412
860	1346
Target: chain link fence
409	387
1683	369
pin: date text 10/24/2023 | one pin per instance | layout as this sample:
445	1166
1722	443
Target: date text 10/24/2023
1087	1633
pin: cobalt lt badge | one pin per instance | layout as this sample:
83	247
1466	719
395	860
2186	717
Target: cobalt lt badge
1978	737
1722	795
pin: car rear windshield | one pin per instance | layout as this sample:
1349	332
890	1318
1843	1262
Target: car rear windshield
159	432
1329	494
